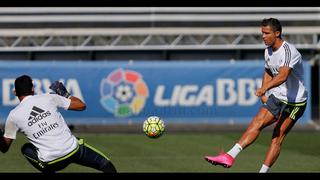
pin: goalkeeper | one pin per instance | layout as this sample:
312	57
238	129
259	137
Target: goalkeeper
52	146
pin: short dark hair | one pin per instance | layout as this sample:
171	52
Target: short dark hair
23	85
273	23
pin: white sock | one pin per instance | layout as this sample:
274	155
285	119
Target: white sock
235	150
264	169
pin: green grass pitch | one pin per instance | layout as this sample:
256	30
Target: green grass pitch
183	152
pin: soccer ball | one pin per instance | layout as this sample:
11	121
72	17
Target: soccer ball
153	127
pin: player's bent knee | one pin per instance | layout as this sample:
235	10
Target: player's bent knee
27	148
277	141
109	167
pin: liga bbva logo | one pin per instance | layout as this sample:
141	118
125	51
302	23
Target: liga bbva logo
123	93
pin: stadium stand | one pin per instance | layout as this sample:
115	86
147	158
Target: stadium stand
164	33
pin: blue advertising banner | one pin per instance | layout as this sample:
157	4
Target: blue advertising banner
129	92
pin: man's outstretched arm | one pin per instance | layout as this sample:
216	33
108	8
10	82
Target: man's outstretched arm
76	104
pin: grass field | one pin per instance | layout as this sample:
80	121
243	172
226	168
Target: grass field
183	152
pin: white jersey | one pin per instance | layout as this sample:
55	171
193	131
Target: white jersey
39	119
292	90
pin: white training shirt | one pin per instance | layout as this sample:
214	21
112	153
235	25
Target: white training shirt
292	90
39	119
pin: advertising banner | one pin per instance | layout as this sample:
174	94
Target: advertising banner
130	91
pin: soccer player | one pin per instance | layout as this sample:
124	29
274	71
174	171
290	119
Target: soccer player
282	92
52	146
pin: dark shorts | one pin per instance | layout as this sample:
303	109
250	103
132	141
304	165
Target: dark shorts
84	155
278	107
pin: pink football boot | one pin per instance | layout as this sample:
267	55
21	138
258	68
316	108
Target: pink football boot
223	159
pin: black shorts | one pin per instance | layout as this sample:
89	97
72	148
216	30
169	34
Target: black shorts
84	155
278	107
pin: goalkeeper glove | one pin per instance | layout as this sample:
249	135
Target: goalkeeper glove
59	88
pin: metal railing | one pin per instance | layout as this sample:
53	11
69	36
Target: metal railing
89	39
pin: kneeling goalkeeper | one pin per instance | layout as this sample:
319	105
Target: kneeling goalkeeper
52	146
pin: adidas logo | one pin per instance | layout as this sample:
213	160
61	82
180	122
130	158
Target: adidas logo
36	115
35	112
